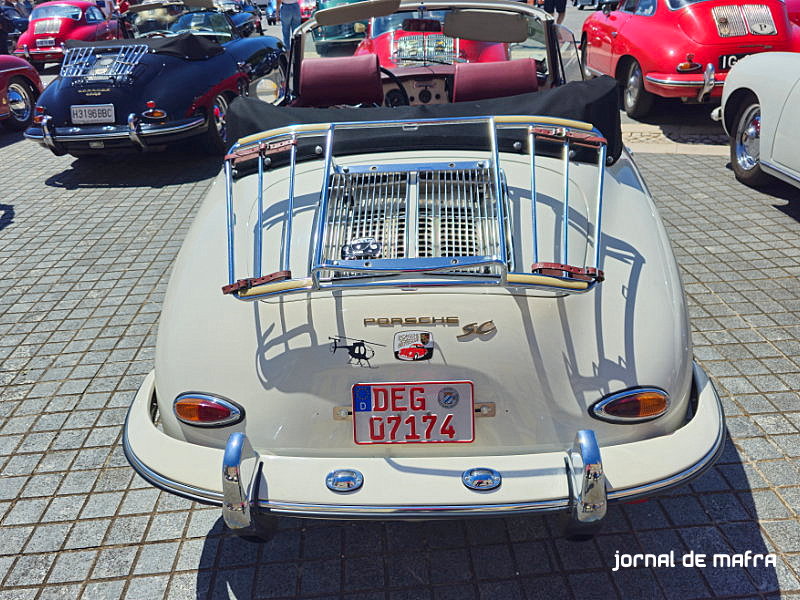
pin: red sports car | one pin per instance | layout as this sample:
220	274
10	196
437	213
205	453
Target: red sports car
680	48
307	8
53	23
20	86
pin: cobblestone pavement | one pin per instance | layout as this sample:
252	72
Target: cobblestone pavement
85	250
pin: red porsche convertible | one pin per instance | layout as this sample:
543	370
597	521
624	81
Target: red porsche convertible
53	23
680	48
20	86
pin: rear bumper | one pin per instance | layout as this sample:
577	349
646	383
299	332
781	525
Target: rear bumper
135	135
244	482
699	86
54	54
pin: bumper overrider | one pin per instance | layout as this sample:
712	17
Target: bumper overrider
580	481
700	85
137	134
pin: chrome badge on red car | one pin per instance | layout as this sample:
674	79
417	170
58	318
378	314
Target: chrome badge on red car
413	345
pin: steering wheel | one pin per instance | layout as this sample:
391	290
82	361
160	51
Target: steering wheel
403	99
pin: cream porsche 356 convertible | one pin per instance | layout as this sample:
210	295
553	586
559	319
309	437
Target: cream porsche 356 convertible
462	309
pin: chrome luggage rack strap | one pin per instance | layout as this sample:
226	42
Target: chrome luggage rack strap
420	253
101	64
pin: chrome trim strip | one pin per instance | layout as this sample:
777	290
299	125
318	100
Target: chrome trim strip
122	135
672	83
781	170
168	485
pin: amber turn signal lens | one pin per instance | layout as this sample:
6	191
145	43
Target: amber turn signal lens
206	410
688	67
632	406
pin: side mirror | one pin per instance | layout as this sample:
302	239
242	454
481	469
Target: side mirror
359	27
607	7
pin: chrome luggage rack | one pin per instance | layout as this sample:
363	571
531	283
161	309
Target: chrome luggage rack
87	64
361	267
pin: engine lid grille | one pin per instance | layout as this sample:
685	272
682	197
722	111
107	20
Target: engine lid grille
47	26
420	48
737	20
440	212
92	64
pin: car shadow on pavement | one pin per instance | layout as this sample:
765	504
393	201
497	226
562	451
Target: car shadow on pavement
515	557
137	170
6	215
7	138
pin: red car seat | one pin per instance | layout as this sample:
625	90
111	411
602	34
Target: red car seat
479	81
341	80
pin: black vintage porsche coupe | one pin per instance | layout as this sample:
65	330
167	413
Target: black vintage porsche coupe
173	80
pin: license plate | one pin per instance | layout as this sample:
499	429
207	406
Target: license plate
92	113
413	413
45	42
726	61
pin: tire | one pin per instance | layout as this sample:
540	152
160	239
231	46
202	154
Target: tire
745	145
636	100
21	100
214	140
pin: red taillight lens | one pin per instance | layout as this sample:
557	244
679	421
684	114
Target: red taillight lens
150	104
203	410
632	406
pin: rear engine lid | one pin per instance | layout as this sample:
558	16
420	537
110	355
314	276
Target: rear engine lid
715	23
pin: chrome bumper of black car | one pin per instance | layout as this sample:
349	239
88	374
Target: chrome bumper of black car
135	133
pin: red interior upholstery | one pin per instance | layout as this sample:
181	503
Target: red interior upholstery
341	80
479	81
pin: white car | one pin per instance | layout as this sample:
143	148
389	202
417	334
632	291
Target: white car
464	309
759	111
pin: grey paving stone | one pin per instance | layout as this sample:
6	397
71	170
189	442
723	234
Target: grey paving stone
72	566
114	562
147	588
156	558
30	569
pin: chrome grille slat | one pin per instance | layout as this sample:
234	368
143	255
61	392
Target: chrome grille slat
759	19
729	20
47	26
102	64
412	49
455	214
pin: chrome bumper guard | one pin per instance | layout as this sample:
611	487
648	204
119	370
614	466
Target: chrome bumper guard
132	131
584	506
708	82
584	469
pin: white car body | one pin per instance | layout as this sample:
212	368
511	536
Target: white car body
774	79
538	349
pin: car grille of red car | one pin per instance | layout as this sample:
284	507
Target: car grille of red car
415	49
737	20
47	26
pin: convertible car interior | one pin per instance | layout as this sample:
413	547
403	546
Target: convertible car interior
425	57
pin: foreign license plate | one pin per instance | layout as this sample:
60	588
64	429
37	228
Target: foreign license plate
92	113
413	413
45	42
726	61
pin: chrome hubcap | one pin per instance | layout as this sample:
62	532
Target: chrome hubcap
218	111
19	101
632	89
748	135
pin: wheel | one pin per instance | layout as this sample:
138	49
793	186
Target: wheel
745	145
214	140
636	100
21	100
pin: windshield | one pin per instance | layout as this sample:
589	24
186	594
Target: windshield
676	4
172	20
57	11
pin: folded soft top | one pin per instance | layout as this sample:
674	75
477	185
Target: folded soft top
594	101
185	45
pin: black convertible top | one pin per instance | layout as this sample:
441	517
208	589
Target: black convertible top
185	45
594	101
